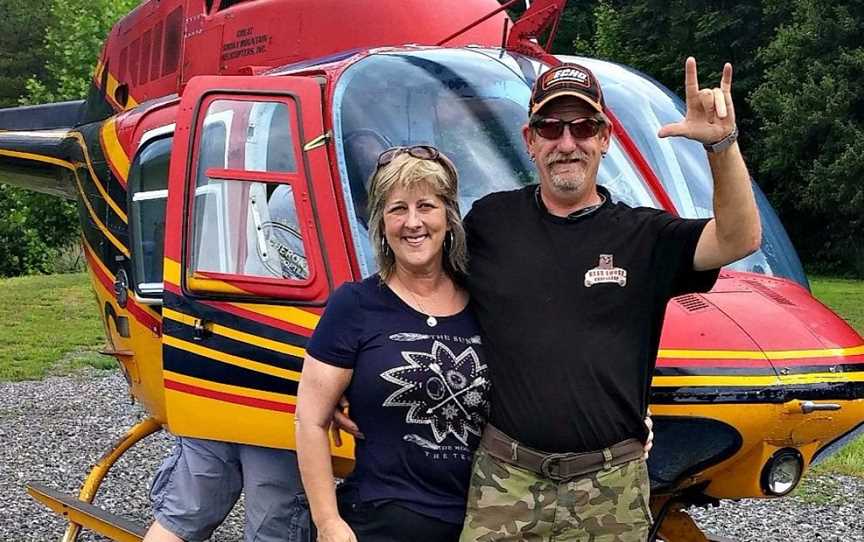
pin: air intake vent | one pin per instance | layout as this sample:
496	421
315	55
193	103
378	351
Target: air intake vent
768	292
692	302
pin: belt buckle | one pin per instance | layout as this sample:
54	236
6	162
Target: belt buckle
550	467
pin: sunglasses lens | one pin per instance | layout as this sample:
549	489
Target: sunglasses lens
550	129
579	129
387	156
584	129
423	152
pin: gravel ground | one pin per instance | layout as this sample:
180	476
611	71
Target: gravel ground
53	430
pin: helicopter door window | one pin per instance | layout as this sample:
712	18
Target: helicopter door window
247	217
148	188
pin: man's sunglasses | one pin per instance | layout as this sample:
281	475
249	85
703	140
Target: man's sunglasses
549	128
421	152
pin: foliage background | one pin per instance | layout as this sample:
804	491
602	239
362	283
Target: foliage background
48	52
799	68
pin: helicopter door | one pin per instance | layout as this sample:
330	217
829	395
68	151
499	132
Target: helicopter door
253	249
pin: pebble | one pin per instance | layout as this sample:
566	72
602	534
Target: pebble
52	431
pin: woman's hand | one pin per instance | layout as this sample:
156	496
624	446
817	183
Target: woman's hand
335	530
321	386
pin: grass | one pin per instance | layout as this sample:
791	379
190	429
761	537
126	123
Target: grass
846	298
49	324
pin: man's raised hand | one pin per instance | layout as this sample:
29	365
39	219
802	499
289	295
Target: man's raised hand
710	113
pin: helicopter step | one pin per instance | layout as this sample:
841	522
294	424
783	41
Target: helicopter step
85	514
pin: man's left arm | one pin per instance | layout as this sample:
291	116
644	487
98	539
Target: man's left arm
735	231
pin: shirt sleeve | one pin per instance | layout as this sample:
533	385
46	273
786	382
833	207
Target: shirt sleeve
336	339
676	248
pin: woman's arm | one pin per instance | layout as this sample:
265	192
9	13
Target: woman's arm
321	386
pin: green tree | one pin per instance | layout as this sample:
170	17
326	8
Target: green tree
22	25
73	41
811	141
657	36
36	229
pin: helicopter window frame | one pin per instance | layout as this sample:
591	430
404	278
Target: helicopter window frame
147	293
243	113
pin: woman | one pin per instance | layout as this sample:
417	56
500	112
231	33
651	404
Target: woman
406	350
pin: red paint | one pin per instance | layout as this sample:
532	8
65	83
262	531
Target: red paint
229	397
190	42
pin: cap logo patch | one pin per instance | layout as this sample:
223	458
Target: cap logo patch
567	75
606	272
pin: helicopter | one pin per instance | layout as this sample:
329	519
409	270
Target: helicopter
219	164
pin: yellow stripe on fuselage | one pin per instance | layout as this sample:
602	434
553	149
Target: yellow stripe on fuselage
291	315
668	353
39	158
111	203
114	150
237	335
231	360
234	390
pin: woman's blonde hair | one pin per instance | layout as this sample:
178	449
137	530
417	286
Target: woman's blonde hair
406	171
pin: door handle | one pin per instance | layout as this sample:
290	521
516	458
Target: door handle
201	330
808	407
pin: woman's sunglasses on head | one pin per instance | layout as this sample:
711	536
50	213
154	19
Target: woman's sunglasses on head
421	152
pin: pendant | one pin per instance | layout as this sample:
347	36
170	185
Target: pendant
431	321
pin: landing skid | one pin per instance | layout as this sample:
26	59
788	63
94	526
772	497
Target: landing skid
85	514
80	511
677	525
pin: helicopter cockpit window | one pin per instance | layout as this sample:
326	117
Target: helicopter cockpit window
148	189
245	213
469	104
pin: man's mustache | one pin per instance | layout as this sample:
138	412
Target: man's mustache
565	157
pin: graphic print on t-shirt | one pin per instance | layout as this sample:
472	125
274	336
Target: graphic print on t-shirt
441	389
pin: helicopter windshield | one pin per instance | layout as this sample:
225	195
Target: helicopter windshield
472	103
467	104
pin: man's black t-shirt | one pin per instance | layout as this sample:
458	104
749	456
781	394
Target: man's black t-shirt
572	310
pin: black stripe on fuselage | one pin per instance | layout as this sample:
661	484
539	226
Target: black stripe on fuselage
196	366
822	391
232	347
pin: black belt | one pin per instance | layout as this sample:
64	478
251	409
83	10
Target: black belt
558	466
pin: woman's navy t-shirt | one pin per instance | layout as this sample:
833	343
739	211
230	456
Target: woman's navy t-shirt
418	394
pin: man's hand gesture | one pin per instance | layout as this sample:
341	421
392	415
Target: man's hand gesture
710	112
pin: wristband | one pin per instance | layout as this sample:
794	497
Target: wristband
724	143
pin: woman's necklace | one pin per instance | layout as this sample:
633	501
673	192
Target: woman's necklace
431	321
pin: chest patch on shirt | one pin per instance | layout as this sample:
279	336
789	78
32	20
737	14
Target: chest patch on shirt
606	272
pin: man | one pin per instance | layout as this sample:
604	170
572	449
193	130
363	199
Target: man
571	290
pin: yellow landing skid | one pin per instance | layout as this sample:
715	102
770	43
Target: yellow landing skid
80	511
86	515
678	526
